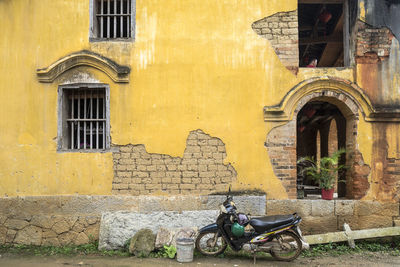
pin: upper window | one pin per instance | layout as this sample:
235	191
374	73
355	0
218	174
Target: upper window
323	33
112	19
84	123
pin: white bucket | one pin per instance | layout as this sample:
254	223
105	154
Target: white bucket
184	249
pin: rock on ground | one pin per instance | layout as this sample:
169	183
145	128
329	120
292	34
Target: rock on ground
142	243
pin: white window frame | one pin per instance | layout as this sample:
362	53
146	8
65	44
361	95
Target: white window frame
94	31
62	125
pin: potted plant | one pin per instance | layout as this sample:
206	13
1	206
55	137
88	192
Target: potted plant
324	172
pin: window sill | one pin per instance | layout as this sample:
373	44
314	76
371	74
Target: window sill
84	150
112	40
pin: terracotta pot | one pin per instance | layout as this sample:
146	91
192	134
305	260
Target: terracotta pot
327	193
325	16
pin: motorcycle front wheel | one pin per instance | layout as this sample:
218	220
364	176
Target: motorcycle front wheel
287	248
210	244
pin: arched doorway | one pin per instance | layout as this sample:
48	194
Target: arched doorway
343	98
321	131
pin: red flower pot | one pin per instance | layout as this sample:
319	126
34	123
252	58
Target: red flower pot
327	193
325	16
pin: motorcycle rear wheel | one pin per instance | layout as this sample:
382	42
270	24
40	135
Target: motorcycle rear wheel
205	244
288	246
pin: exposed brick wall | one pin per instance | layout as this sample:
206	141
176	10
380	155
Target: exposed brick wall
372	40
281	29
390	185
358	185
200	171
281	146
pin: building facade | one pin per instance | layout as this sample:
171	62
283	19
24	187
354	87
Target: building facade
168	98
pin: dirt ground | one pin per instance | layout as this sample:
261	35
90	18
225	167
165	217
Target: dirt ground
365	260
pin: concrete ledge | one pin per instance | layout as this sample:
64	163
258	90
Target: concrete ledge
73	205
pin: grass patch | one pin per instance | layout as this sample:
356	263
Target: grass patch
72	250
333	249
325	250
336	249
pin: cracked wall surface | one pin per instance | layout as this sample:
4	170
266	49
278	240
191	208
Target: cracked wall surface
281	30
201	170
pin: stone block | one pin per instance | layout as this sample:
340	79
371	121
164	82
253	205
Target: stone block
364	208
46	233
71	220
374	221
67	238
254	205
15	224
164	237
352	221
344	207
81	239
42	221
322	208
319	224
78	227
61	227
117	227
3	235
2	219
10	236
302	207
30	235
92	231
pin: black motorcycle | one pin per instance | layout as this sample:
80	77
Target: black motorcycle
278	235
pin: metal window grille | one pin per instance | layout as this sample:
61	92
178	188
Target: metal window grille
85	125
114	18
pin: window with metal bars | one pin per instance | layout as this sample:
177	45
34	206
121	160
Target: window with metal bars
113	19
83	118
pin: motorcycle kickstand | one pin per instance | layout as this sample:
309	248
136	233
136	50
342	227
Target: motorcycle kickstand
254	252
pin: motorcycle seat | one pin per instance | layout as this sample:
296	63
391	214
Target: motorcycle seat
266	223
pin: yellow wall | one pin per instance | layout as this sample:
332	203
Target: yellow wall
194	65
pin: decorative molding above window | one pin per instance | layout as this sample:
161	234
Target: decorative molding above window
118	73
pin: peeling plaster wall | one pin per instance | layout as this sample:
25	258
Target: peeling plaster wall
201	170
382	13
281	30
381	78
194	65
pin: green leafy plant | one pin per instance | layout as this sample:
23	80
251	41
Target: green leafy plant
165	252
170	251
324	171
